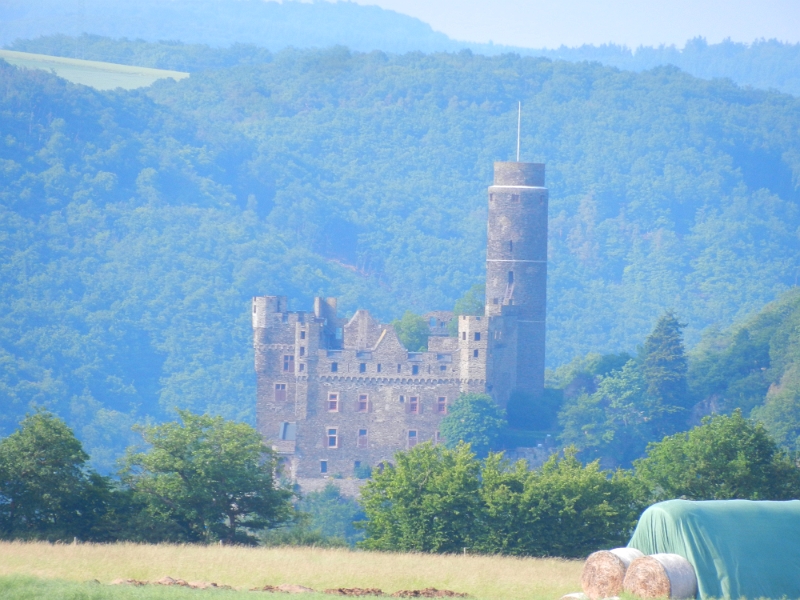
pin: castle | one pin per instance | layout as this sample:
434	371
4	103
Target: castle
336	395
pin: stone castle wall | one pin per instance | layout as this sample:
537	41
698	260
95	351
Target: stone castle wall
333	395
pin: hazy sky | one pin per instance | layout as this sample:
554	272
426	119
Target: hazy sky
551	23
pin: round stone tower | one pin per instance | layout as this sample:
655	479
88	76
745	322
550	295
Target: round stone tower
516	263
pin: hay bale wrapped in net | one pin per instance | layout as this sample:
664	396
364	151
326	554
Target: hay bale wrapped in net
604	571
661	576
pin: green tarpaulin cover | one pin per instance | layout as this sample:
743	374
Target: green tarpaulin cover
739	548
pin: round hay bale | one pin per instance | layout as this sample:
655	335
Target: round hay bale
604	571
661	576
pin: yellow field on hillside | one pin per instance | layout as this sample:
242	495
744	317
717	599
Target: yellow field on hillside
99	75
482	577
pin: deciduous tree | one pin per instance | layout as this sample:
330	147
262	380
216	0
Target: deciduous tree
726	457
413	331
46	489
474	419
563	509
428	501
209	479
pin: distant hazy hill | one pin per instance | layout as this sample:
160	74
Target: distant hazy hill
270	25
274	26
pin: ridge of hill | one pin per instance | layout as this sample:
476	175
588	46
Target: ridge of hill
273	26
138	224
270	25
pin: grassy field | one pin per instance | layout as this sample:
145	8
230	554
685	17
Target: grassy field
99	75
28	567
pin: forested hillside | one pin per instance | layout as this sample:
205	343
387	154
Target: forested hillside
137	225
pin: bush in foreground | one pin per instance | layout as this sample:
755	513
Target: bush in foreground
440	500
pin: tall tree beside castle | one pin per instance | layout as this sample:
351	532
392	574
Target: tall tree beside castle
665	368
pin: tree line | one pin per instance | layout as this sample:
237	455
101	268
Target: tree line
204	479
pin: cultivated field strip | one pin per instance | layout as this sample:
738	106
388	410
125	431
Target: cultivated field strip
96	74
482	577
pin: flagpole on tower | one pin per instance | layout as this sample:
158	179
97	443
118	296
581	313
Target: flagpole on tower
519	122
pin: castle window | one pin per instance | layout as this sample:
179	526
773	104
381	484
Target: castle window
323	466
334	367
362	441
413	405
285	317
477	336
441	405
254	308
288	431
379	367
402	399
338	333
333	402
363	403
443	367
515	197
491	197
302	367
475	353
511	277
280	392
399	368
412	438
510	245
415	369
302	335
463	335
333	437
302	350
432	322
437	438
288	363
362	368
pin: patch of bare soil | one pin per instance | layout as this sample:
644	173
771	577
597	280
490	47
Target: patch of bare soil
286	588
196	585
355	592
428	593
129	582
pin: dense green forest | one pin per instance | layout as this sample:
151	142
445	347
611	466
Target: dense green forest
766	64
137	225
611	406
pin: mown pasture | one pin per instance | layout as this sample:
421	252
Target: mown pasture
96	74
39	569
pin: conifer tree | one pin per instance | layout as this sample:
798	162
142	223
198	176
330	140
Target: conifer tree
664	369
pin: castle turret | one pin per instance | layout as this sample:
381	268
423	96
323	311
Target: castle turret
516	263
